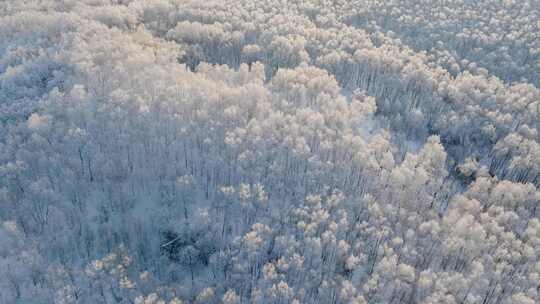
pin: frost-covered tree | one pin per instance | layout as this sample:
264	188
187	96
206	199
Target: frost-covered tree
268	151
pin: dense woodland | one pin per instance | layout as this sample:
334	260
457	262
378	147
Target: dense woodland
269	151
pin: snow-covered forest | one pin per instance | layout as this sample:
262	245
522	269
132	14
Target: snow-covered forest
270	151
